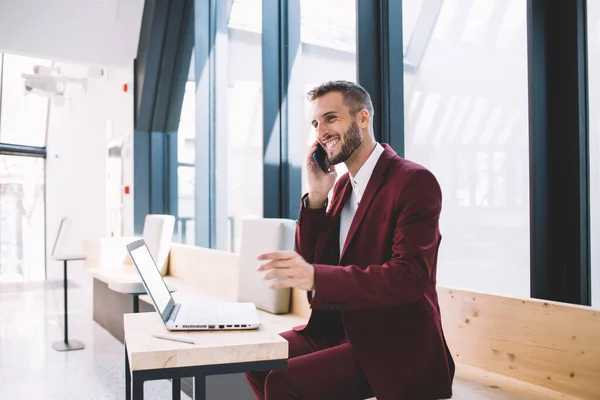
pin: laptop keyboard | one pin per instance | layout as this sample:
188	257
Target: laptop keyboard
203	314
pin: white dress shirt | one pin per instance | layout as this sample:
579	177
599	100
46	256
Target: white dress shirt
359	183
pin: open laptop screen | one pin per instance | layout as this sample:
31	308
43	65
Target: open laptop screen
153	280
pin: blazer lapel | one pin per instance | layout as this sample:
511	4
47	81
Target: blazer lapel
375	182
338	203
334	227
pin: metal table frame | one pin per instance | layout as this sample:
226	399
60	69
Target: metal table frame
134	380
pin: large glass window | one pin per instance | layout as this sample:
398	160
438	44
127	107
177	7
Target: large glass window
21	219
327	53
593	10
466	107
242	154
23	105
186	156
328	35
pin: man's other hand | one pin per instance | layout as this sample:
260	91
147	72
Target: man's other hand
289	268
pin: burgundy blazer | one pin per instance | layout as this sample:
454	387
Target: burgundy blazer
381	291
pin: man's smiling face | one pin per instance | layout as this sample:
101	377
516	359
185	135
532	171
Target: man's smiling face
336	127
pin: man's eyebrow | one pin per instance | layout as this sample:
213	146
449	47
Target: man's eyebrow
324	115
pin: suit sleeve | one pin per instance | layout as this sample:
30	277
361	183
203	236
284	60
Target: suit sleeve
310	223
404	278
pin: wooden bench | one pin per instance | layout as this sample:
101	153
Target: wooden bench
505	348
550	345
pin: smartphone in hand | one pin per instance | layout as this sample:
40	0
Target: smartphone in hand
320	156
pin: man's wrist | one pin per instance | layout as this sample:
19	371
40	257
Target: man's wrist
315	200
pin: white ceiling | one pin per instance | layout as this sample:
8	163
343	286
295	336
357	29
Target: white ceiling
91	32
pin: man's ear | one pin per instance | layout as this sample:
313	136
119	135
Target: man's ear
364	118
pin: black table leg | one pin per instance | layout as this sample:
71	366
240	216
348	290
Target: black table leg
66	315
136	303
176	385
200	387
65	345
137	388
127	377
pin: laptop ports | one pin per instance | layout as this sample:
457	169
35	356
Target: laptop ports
236	326
221	326
211	327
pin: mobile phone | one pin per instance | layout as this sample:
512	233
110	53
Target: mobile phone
320	156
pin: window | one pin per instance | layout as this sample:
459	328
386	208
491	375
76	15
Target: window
328	35
23	122
23	115
466	107
240	156
593	11
186	156
22	217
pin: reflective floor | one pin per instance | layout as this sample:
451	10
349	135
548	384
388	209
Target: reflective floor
31	319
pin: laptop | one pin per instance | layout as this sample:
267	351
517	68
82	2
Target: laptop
204	315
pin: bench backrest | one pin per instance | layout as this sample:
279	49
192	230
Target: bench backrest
550	344
216	272
207	270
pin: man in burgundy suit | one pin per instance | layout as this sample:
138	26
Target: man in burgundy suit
369	263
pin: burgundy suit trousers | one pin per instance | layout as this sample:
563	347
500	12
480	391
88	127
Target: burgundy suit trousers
318	368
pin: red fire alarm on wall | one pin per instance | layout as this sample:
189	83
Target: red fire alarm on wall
125	87
126	189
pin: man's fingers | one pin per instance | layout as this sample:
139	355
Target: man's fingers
309	155
277	273
274	264
290	282
277	255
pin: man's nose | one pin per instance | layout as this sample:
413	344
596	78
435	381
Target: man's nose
322	132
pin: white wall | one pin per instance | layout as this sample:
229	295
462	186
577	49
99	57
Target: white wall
93	32
76	169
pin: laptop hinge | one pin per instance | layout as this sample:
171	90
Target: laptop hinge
174	312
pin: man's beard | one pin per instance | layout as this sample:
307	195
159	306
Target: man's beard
352	141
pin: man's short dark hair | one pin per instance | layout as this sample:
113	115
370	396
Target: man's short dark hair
355	96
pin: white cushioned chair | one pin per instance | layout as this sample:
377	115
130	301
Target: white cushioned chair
260	236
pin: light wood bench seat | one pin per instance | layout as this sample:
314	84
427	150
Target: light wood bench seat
471	383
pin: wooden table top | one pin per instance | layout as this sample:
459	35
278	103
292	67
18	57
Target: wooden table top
211	347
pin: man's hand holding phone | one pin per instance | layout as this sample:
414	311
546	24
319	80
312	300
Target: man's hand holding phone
319	182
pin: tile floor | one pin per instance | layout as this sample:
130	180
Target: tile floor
31	319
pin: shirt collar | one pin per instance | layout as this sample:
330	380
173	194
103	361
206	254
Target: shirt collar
359	182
